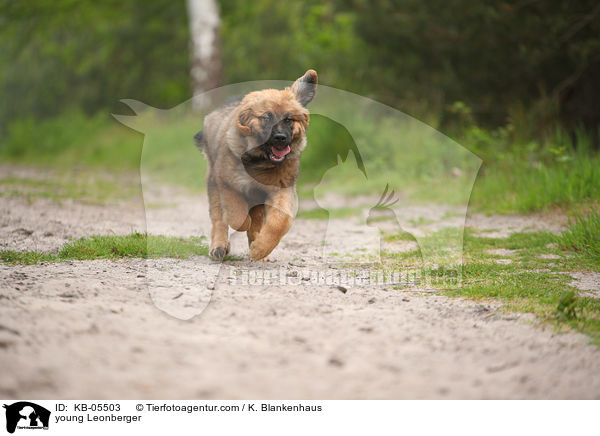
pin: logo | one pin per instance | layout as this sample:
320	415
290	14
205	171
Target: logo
378	152
26	415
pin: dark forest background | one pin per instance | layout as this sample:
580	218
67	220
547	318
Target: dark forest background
530	62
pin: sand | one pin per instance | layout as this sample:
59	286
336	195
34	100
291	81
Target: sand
92	329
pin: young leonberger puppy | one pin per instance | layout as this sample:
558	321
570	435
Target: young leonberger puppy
253	151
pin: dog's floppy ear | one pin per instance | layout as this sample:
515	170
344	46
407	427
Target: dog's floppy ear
305	87
243	121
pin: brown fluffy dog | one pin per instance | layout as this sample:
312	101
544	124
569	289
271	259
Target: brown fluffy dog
253	151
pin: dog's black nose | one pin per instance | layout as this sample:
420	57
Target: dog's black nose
279	138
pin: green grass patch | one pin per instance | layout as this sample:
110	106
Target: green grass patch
516	176
313	214
574	246
71	142
522	288
404	236
421	221
529	243
509	187
135	245
72	139
87	187
583	236
529	283
11	257
519	176
324	214
402	259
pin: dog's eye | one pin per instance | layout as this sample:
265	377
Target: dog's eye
266	116
288	120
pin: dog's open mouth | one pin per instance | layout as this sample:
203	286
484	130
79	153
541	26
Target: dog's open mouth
278	154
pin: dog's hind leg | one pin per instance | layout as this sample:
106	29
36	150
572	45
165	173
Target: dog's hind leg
219	235
257	215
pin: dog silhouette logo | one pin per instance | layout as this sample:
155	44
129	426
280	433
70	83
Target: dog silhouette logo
26	415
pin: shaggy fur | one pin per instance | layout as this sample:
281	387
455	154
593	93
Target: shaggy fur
253	151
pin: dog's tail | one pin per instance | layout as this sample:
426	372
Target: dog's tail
199	140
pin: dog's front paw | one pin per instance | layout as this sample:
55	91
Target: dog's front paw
219	252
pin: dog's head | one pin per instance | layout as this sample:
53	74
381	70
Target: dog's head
274	121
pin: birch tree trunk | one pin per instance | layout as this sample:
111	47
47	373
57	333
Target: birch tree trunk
205	48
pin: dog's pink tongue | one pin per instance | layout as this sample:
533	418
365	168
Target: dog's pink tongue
281	153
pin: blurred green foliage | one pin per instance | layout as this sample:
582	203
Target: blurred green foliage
65	55
497	75
270	39
525	62
493	55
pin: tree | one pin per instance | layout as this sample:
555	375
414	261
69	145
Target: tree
206	67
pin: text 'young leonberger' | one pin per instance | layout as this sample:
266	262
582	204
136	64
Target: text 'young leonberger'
253	151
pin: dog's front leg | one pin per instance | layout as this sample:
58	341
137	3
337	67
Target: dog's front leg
280	210
219	237
257	216
235	209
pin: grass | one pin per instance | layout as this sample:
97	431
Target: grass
11	257
529	283
515	186
526	176
72	142
324	214
516	176
526	289
135	245
583	236
85	186
405	236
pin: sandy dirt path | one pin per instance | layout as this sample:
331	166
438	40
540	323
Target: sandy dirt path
89	329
